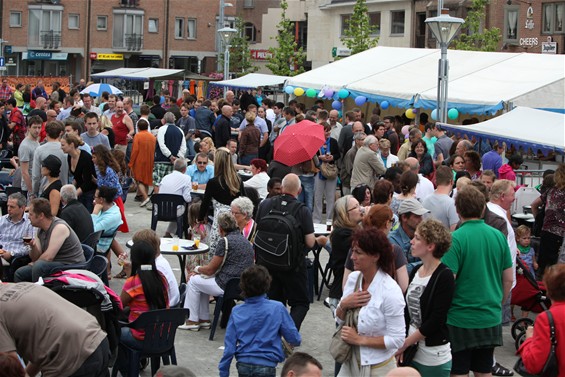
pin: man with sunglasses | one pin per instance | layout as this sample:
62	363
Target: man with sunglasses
200	171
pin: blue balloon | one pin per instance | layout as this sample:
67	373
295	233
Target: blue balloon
336	105
360	100
289	89
162	99
434	114
335	97
453	114
384	105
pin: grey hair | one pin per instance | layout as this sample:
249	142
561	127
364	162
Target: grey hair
244	204
369	140
68	193
169	117
18	197
227	222
359	135
180	164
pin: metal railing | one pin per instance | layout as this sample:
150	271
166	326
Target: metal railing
134	42
51	39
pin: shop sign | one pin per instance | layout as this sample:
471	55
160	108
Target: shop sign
528	42
44	55
93	56
549	47
260	54
110	57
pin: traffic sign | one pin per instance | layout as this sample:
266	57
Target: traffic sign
2	62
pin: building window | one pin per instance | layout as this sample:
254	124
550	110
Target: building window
375	23
102	23
44	29
397	22
191	28
128	30
153	26
179	28
129	3
248	3
250	32
15	19
552	18
345	18
74	20
511	24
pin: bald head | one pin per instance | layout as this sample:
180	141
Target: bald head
413	164
227	111
230	96
40	102
291	184
403	372
357	127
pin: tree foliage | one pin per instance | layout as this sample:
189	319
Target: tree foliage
475	37
287	54
357	35
240	56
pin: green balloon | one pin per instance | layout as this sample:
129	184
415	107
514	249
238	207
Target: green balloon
311	93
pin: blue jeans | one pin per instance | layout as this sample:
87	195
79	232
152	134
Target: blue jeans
87	199
32	273
246	160
251	370
307	194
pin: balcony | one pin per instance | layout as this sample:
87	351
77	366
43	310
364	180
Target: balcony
51	40
134	42
129	3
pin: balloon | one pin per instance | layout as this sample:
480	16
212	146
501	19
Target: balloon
384	105
343	93
434	114
335	96
162	99
453	114
289	89
405	130
336	105
415	111
360	100
328	93
311	93
298	92
410	114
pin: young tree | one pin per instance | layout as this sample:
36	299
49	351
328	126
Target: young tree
240	56
357	36
287	54
477	37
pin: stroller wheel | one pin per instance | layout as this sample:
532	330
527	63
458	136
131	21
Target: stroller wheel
520	327
521	338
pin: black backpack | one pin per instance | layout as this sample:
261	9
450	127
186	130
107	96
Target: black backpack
279	241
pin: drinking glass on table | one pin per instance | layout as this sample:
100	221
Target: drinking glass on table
194	185
196	239
175	243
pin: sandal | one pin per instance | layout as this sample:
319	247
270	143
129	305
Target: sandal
499	370
121	275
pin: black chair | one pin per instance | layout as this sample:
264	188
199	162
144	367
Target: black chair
165	209
160	328
88	256
182	294
99	267
92	239
326	276
224	303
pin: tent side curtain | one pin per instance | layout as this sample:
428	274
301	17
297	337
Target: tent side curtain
514	128
252	80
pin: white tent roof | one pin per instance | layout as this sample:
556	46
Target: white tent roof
252	80
479	82
138	73
518	127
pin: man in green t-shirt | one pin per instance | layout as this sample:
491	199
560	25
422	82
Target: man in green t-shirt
480	260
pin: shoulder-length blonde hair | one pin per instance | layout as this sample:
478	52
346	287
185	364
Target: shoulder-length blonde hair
225	171
341	214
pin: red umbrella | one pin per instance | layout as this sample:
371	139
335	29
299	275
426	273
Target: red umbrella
299	142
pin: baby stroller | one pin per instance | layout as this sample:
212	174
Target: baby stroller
530	295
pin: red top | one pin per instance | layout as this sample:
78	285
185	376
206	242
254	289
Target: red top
535	350
120	129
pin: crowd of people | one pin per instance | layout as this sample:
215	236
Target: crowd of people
422	247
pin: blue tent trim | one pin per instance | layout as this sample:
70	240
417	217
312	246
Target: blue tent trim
464	108
394	102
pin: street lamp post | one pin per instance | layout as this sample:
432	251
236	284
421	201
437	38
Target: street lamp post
227	34
444	28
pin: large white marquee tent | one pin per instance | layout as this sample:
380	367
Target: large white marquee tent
479	82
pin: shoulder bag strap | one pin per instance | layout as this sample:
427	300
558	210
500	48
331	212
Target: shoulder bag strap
552	335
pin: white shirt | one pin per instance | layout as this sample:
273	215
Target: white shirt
259	183
176	183
511	237
164	267
270	115
336	130
384	314
424	188
390	160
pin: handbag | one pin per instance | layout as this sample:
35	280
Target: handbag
550	369
410	351
221	265
328	171
340	349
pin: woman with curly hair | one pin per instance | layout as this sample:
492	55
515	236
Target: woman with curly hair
473	164
420	152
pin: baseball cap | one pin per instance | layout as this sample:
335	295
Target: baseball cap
413	206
